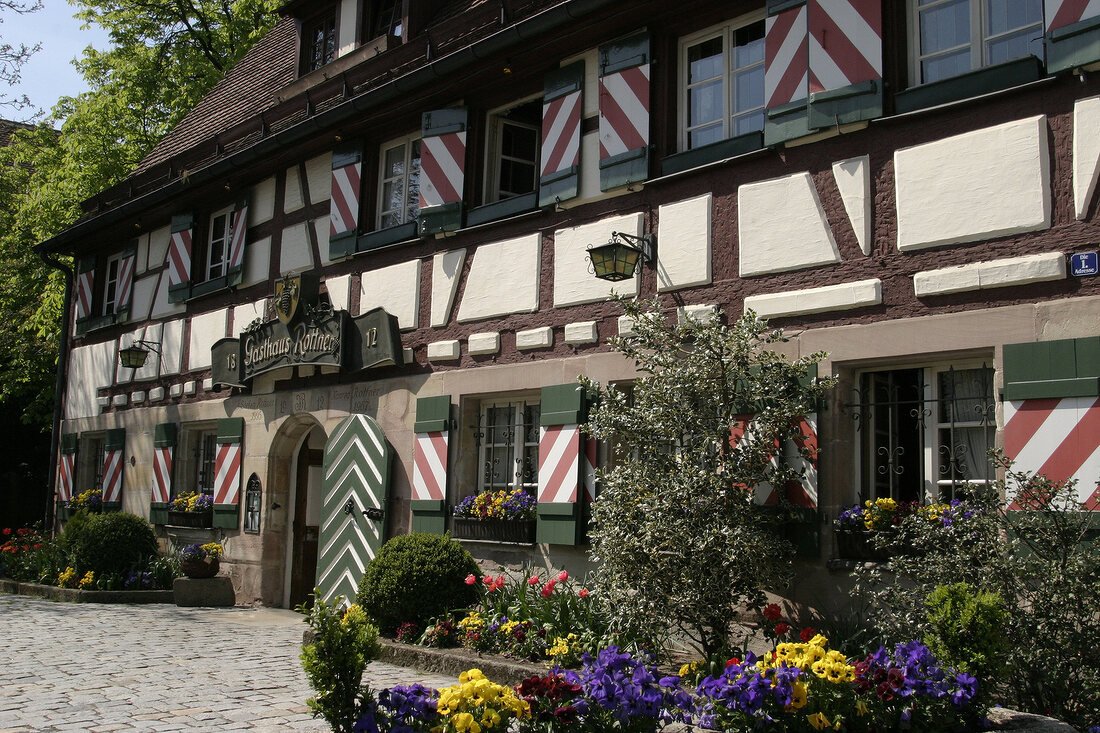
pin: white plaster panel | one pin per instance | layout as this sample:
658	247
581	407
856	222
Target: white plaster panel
141	263
583	332
503	279
781	226
322	228
257	261
158	246
408	356
156	394
816	300
119	400
978	185
141	300
395	288
295	255
246	314
339	292
189	387
446	269
150	334
175	390
573	283
292	197
484	343
535	338
626	325
171	347
853	178
1086	153
137	397
991	274
103	402
319	178
161	306
262	205
443	350
90	367
208	384
701	313
349	21
683	244
205	330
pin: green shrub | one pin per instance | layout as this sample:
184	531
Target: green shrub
416	577
968	630
112	543
74	528
344	643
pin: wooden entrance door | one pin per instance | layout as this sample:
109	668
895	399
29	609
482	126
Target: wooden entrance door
303	565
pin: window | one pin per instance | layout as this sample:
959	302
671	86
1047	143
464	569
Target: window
513	151
252	504
955	36
319	41
110	285
924	432
388	18
206	451
217	248
95	455
508	445
722	82
399	182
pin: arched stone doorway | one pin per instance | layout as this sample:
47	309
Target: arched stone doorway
294	504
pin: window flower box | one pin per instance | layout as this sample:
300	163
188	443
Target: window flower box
494	530
190	519
858	545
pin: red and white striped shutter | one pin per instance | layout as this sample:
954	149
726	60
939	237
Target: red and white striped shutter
344	201
164	446
786	61
125	290
430	466
1060	13
624	111
1058	437
113	448
442	169
845	43
237	242
799	493
227	472
179	258
66	467
559	463
562	104
85	286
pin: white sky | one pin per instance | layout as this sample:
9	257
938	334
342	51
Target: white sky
50	75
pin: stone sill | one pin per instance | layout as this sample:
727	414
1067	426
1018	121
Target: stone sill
76	595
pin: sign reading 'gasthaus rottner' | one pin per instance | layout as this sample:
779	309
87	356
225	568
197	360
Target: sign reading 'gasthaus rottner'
274	345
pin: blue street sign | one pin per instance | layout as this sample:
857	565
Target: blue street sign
1084	264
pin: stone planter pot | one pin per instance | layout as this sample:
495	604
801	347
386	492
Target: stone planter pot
494	530
207	568
190	519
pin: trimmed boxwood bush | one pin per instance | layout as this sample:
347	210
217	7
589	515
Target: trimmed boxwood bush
414	578
111	543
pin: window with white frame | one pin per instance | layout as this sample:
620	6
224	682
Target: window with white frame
217	243
722	82
513	151
924	432
399	182
95	451
198	452
951	37
508	445
110	285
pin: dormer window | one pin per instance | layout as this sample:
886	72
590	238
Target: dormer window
388	18
319	41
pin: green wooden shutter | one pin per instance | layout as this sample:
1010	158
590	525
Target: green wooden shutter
122	309
180	248
429	511
1073	45
344	201
164	443
1052	369
624	116
563	111
560	521
442	169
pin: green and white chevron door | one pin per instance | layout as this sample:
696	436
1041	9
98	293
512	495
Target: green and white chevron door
356	490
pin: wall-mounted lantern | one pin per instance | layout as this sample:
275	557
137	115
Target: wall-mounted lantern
618	259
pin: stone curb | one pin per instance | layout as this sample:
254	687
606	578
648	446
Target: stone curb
75	595
455	661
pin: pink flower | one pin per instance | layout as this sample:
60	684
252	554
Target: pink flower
471	579
548	588
533	580
487	579
563	576
583	593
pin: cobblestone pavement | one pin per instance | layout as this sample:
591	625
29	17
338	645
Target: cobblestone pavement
107	667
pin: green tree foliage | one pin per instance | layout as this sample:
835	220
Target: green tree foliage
679	540
165	55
